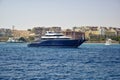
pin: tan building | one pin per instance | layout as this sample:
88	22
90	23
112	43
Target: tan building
92	31
88	30
81	29
74	34
110	32
21	33
39	31
117	31
55	29
87	34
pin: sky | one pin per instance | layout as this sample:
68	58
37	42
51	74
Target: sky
26	14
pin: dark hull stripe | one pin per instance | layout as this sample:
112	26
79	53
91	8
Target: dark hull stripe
57	43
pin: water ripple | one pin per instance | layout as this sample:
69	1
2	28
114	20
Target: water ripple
88	62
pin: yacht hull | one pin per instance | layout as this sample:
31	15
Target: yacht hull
57	43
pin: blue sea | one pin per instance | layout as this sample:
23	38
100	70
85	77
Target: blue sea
88	62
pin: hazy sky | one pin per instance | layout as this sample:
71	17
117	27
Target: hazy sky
24	14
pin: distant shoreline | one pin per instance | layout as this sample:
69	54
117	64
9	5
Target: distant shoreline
102	42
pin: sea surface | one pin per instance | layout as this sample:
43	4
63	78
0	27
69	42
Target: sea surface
88	62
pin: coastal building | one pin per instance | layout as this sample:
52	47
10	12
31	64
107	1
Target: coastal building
39	31
102	30
87	34
97	31
21	33
81	29
5	32
73	34
67	30
117	31
110	32
77	29
88	30
94	31
55	29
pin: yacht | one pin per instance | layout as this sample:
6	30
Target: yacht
53	39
